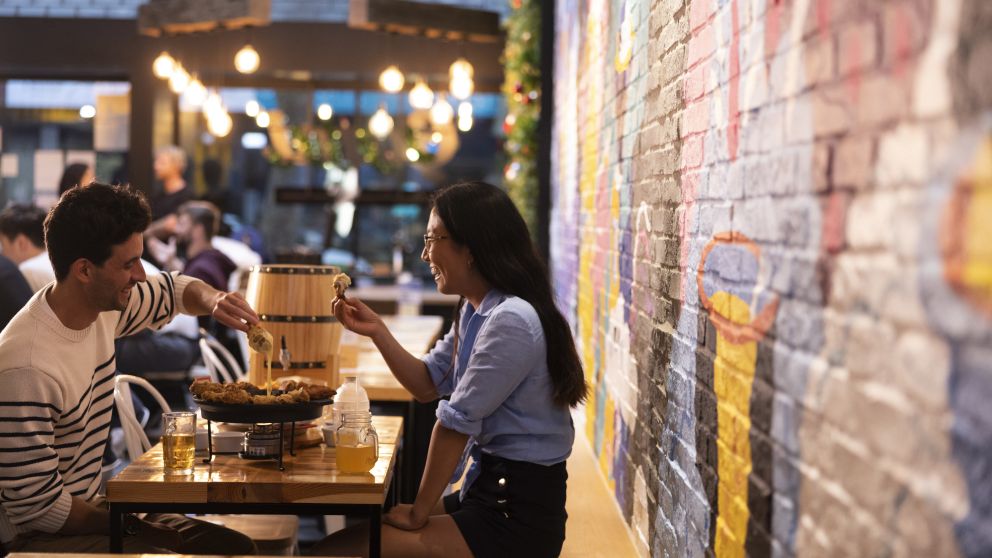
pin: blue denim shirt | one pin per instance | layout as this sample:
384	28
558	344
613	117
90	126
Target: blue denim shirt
501	391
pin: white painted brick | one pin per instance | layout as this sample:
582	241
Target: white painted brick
869	220
902	157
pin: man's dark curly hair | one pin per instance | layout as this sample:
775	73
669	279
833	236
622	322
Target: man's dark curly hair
89	220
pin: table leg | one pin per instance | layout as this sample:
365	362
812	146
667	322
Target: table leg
375	532
116	530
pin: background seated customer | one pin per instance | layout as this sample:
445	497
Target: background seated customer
57	365
14	290
22	239
510	367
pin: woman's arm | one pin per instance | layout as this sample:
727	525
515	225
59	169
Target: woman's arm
443	455
408	369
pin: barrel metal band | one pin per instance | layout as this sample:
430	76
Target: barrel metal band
297	319
284	270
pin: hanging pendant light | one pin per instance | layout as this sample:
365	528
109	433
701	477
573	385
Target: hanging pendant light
325	111
421	96
381	124
441	112
195	94
220	124
164	65
252	108
213	104
263	120
464	116
391	79
179	80
461	67
461	87
247	60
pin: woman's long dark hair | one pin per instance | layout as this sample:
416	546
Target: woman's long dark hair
483	218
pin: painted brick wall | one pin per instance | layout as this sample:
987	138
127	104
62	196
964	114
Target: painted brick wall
772	233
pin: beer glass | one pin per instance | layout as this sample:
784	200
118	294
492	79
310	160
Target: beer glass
178	442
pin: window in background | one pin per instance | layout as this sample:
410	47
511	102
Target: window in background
47	125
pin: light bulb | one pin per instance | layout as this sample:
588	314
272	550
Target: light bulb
464	109
213	104
381	124
461	67
87	111
251	108
391	79
412	155
196	93
325	111
221	124
436	137
421	96
246	60
179	80
163	65
465	123
461	87
441	112
262	119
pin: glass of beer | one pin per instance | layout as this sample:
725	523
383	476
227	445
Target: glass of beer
178	442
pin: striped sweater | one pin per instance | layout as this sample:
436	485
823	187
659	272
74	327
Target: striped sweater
56	396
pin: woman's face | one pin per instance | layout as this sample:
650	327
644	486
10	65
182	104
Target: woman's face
449	261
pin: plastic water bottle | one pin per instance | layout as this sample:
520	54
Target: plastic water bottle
351	398
410	296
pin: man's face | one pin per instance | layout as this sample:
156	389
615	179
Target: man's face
113	281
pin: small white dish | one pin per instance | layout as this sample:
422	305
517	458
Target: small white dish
228	442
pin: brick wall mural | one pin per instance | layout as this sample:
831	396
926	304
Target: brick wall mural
771	233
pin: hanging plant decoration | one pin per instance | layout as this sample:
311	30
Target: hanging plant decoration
522	89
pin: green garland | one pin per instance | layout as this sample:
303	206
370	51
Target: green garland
522	89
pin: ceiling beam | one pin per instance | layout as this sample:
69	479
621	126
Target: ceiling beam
435	21
172	17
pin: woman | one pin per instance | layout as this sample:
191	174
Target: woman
76	174
515	377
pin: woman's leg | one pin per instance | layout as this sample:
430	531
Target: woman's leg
440	537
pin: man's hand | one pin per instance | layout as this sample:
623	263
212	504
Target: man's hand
402	516
232	310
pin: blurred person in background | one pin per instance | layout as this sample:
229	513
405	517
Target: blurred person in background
170	164
22	239
14	290
76	174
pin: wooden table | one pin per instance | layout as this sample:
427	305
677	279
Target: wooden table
311	484
415	334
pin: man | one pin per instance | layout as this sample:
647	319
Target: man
14	291
22	239
56	380
170	164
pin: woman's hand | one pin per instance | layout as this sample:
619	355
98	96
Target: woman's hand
402	516
357	317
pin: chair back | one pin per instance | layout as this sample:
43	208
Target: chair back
221	364
135	439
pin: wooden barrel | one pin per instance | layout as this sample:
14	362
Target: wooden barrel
295	301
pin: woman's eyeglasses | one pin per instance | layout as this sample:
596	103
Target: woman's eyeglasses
429	240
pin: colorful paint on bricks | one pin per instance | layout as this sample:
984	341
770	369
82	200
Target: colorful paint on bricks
769	231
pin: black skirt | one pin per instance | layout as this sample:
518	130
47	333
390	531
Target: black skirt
514	508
